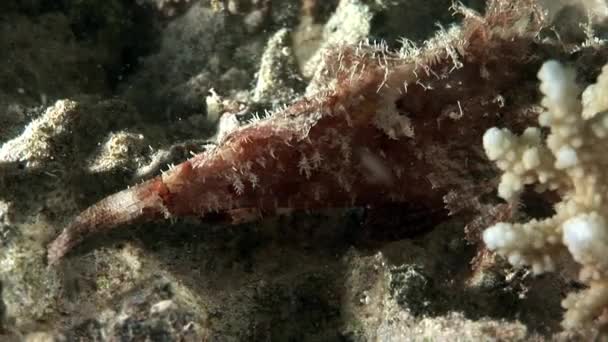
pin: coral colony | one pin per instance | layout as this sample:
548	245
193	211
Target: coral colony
572	162
386	127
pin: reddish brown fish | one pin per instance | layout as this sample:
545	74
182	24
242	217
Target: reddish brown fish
393	127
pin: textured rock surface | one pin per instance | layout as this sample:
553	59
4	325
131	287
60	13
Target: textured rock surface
132	83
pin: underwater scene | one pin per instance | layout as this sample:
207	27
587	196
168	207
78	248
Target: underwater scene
303	170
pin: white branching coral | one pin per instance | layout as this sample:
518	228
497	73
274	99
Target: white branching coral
572	161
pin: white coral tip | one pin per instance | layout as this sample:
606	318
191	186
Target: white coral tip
531	158
566	157
586	237
498	236
510	186
496	142
532	135
554	80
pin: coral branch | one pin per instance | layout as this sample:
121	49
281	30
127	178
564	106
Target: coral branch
571	161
